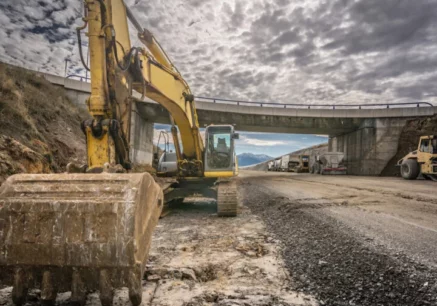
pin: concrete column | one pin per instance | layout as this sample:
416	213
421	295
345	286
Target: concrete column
78	97
370	148
141	147
332	144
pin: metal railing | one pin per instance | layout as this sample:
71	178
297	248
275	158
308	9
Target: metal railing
314	106
70	76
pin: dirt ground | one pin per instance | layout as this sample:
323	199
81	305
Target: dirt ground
200	259
300	239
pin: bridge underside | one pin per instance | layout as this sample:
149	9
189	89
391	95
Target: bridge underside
261	123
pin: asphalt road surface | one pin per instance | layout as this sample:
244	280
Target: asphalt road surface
351	240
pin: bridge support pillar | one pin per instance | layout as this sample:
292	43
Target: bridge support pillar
369	149
141	146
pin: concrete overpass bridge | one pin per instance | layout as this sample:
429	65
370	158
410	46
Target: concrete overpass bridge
367	134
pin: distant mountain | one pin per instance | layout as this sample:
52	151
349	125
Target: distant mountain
246	159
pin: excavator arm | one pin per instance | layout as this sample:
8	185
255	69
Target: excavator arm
117	68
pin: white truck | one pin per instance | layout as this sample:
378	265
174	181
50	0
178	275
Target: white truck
329	163
277	165
284	163
270	165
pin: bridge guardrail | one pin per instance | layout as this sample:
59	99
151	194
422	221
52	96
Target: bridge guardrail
71	76
315	106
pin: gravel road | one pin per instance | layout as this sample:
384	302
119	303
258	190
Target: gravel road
351	240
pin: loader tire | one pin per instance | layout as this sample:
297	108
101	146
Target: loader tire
227	200
410	169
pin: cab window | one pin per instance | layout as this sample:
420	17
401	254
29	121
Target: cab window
219	150
424	145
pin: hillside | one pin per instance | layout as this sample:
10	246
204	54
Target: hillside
247	159
39	127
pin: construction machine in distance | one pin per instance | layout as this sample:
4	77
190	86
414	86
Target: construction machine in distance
329	163
298	163
92	230
421	161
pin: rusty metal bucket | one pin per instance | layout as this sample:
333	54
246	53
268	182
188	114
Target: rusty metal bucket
77	232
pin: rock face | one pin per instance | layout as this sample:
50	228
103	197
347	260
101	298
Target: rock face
17	158
39	126
409	140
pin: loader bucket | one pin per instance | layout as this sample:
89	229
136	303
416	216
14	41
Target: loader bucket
77	232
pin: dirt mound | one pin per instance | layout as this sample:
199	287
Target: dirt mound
409	140
39	126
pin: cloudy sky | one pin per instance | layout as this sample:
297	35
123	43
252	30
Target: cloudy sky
287	51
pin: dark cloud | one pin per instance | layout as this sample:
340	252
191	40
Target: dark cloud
289	37
384	25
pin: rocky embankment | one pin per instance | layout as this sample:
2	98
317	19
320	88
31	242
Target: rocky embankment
39	127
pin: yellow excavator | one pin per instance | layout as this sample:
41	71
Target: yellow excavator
91	230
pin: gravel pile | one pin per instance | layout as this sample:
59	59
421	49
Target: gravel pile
326	259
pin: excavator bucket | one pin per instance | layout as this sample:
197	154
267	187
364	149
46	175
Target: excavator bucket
77	232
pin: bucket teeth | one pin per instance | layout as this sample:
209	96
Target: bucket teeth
19	290
48	289
78	290
135	289
105	287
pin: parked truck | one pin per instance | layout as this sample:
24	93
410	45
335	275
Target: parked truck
277	165
329	163
270	165
422	161
284	163
298	163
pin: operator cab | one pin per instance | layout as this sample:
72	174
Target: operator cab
428	145
220	150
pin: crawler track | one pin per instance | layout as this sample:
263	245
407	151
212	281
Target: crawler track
227	199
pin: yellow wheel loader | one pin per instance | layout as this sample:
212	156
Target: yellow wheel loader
421	161
92	230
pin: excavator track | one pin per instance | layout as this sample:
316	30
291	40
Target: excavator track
227	199
78	233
